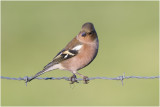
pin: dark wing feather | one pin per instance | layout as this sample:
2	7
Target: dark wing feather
61	56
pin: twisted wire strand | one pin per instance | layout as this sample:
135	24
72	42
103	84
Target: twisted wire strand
26	78
79	79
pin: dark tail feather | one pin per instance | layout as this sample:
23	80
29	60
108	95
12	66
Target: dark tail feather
38	74
41	72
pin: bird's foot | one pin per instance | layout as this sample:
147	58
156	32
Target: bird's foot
73	79
86	80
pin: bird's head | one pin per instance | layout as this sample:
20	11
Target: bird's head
88	32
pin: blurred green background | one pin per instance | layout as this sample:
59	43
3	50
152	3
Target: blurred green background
34	32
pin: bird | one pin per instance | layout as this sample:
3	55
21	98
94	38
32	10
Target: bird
77	54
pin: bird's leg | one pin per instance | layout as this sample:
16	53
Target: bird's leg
85	78
73	79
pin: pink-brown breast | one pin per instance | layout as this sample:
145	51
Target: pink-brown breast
86	54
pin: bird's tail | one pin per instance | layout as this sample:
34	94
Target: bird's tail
47	68
38	74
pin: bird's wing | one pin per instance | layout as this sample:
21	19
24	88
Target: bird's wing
69	51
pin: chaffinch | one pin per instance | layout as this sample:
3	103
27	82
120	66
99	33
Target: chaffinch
77	54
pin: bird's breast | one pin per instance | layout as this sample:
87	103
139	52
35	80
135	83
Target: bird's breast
85	56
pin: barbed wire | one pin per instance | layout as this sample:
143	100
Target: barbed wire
80	79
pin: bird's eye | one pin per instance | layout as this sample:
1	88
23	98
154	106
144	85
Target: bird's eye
83	34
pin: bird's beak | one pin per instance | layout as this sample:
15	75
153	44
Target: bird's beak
83	34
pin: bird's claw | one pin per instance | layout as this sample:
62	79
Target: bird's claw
86	80
73	79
